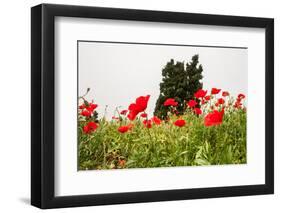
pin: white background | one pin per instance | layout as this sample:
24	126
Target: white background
139	67
15	120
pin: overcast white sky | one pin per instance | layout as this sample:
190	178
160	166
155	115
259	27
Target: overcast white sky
118	73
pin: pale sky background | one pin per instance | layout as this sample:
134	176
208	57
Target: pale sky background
119	73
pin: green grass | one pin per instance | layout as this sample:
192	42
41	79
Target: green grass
164	145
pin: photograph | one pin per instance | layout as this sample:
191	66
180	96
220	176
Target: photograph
148	105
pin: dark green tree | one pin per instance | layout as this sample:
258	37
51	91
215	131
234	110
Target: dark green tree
179	81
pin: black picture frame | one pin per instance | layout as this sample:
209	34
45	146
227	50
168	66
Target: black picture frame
43	102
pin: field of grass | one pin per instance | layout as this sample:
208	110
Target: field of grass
214	135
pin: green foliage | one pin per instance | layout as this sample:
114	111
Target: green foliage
179	81
164	145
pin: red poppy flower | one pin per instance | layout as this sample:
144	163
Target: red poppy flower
86	129
156	120
170	102
115	118
241	96
143	115
221	101
192	103
90	127
200	93
93	125
132	115
86	113
123	129
82	106
139	106
147	123
91	107
179	123
215	91
237	104
207	98
225	93
122	163
197	111
141	102
124	112
214	118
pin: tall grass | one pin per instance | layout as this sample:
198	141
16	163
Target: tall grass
163	145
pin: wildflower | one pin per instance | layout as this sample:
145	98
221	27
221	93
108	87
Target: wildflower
179	123
143	115
82	106
147	123
197	111
121	162
221	101
192	103
170	102
123	129
139	106
91	107
156	120
200	93
86	113
132	115
124	112
214	118
237	104
207	98
141	102
215	91
225	93
90	127
241	96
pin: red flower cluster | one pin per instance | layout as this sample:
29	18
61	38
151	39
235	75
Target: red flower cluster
214	118
139	106
170	102
156	120
87	109
90	127
213	111
148	122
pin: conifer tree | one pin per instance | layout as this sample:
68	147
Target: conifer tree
179	81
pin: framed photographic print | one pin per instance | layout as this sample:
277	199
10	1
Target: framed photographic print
139	106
